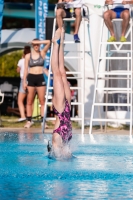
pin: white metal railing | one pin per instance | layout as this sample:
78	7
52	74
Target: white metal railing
128	73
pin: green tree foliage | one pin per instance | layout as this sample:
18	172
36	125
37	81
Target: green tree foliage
8	64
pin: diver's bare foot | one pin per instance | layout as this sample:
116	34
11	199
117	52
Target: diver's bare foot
57	36
62	35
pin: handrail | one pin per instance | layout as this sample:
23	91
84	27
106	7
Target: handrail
85	10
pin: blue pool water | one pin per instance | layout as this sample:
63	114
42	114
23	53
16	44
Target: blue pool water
101	170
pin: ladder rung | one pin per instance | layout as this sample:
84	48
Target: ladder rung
115	73
73	72
112	104
76	103
123	43
69	78
126	89
119	20
119	51
76	119
50	118
111	120
75	88
113	78
69	19
115	58
72	57
119	91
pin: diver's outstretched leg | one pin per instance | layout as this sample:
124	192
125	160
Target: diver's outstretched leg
58	86
62	68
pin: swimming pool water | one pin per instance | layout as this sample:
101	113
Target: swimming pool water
101	170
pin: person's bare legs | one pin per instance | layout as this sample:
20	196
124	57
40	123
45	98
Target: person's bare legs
62	69
61	89
60	14
21	98
30	99
78	20
108	16
29	106
41	95
125	23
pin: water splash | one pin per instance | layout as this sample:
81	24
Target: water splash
92	139
46	139
61	154
82	138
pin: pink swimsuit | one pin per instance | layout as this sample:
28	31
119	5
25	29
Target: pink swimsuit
65	127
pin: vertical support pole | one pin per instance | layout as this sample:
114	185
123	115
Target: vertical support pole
131	109
94	71
96	76
128	81
106	97
91	53
83	79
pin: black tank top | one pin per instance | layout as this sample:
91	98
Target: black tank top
37	62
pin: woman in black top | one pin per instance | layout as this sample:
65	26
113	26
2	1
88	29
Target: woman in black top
33	77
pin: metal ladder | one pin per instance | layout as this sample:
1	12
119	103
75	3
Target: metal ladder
79	75
108	75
